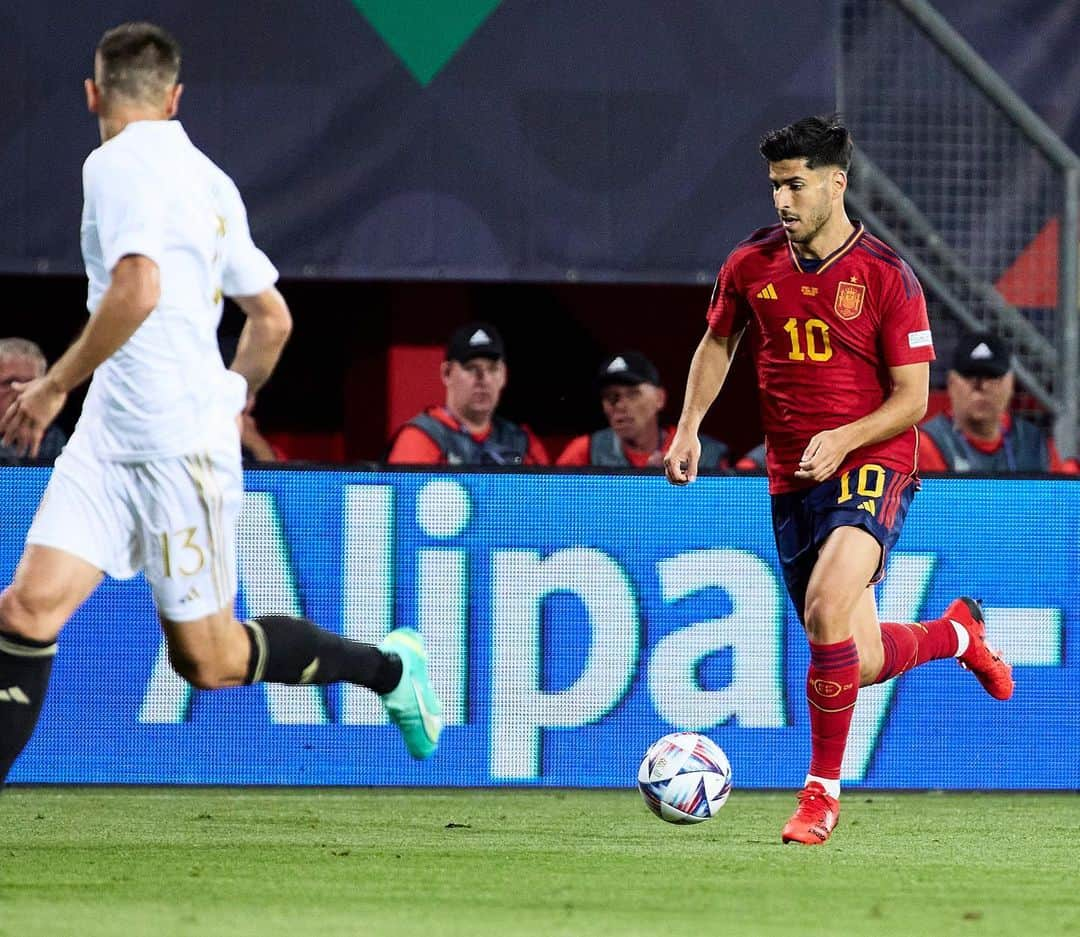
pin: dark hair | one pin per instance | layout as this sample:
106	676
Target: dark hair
138	61
821	141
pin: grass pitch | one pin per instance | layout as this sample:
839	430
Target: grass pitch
164	862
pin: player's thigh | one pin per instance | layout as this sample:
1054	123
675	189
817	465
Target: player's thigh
209	652
80	529
187	509
48	587
85	511
846	563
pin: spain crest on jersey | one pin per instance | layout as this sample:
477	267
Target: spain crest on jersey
849	300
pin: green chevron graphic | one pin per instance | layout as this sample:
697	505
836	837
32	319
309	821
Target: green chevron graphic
425	34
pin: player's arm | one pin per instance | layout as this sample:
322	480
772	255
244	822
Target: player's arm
134	290
263	337
708	370
903	408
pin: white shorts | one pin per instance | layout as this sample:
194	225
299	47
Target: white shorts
173	518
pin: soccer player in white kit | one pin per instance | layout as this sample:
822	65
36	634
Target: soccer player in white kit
151	478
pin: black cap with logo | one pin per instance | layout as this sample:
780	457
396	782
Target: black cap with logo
475	340
629	368
979	354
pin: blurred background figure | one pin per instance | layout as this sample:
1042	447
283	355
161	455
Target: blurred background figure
977	433
20	361
633	398
753	461
465	429
254	446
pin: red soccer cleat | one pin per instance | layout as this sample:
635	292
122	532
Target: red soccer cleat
814	819
990	670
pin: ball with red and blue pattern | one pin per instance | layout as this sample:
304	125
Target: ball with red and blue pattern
685	777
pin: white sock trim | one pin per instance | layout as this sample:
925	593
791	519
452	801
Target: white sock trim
831	785
963	639
26	650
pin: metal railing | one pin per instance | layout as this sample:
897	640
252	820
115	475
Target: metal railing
973	189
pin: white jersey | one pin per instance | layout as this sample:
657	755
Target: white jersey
165	392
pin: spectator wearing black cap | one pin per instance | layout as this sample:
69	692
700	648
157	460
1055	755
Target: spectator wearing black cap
977	433
465	430
632	398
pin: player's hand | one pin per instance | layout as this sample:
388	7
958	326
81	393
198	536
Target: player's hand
823	455
681	461
35	406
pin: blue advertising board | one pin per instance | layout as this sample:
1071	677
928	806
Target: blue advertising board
573	619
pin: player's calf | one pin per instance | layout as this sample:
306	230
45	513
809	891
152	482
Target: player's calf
297	651
206	673
960	633
49	585
293	650
25	666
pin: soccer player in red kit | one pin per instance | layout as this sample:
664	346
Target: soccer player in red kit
842	346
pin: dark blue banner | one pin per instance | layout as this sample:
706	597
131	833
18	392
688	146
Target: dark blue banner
480	139
572	620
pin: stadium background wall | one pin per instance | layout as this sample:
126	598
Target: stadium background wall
548	142
573	619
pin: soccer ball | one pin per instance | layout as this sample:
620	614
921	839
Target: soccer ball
684	778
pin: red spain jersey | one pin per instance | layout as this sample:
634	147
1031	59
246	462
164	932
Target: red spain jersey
823	341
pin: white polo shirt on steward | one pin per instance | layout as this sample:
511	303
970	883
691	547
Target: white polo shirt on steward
166	391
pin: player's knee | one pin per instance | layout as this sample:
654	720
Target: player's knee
871	660
825	619
30	613
870	668
203	673
8	615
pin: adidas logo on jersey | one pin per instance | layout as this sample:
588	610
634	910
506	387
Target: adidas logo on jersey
768	293
14	694
869	507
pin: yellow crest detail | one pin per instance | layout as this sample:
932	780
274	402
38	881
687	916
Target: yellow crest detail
827	688
849	300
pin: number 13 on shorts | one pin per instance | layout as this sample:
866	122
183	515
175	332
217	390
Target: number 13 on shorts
180	554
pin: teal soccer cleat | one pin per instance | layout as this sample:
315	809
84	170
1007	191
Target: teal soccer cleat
412	705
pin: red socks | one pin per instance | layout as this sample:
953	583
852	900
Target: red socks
832	682
901	647
907	646
832	685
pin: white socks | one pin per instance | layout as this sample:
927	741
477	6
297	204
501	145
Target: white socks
963	639
831	785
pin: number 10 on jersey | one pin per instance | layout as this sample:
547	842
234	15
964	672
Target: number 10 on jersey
809	339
